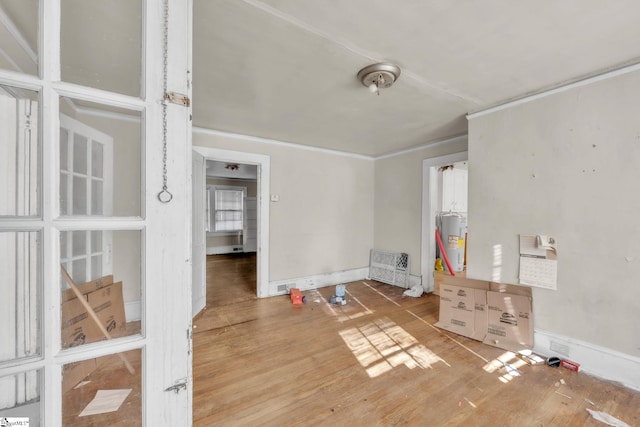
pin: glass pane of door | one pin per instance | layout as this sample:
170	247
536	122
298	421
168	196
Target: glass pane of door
110	55
20	398
20	290
96	141
101	285
19	36
89	385
19	152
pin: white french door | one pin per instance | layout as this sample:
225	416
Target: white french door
86	188
76	144
19	250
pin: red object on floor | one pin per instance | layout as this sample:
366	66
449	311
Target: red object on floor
296	296
570	365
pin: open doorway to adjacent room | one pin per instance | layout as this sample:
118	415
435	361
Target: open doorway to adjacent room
231	231
444	207
230	227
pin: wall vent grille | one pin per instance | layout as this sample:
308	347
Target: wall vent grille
390	267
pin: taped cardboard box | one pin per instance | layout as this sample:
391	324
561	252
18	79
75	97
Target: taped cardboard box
108	304
463	311
500	319
85	288
460	279
79	328
510	321
77	325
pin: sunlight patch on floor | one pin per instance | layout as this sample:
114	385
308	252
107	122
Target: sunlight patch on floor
382	345
507	364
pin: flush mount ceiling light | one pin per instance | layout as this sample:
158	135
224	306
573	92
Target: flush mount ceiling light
232	166
379	76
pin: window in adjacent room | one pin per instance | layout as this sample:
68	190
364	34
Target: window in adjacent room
226	208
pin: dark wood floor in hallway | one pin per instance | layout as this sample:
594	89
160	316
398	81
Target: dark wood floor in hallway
377	361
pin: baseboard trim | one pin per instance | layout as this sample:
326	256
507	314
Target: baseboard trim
328	279
317	281
133	311
219	250
598	361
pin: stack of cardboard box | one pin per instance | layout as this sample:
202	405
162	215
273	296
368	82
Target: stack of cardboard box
78	327
497	314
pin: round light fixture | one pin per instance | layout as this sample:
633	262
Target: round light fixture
379	76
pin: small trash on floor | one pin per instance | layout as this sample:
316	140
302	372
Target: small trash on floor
415	291
334	299
572	366
554	362
607	419
340	296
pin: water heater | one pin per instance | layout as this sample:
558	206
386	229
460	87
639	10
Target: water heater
452	230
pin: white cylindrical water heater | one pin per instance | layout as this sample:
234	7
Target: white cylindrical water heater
452	231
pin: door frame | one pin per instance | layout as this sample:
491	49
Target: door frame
429	203
263	179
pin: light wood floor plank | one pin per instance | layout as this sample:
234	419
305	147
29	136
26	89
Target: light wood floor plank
378	361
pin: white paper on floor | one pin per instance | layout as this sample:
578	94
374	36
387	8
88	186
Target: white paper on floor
105	401
607	419
415	291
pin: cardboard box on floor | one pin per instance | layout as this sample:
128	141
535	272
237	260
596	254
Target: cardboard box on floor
509	321
497	314
463	311
78	327
460	279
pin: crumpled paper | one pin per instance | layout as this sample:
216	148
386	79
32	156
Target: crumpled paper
415	291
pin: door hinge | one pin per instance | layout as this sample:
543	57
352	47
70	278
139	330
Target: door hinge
179	385
177	98
190	341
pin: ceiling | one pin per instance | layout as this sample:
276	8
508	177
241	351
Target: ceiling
216	169
286	69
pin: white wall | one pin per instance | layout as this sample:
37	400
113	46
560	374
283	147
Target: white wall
323	222
398	199
566	165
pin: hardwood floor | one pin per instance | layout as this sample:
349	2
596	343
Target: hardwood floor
377	361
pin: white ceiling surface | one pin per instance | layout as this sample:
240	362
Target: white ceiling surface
285	69
216	169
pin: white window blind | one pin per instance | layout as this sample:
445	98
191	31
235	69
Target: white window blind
228	208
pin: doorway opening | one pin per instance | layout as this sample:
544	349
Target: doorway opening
230	214
231	231
438	196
